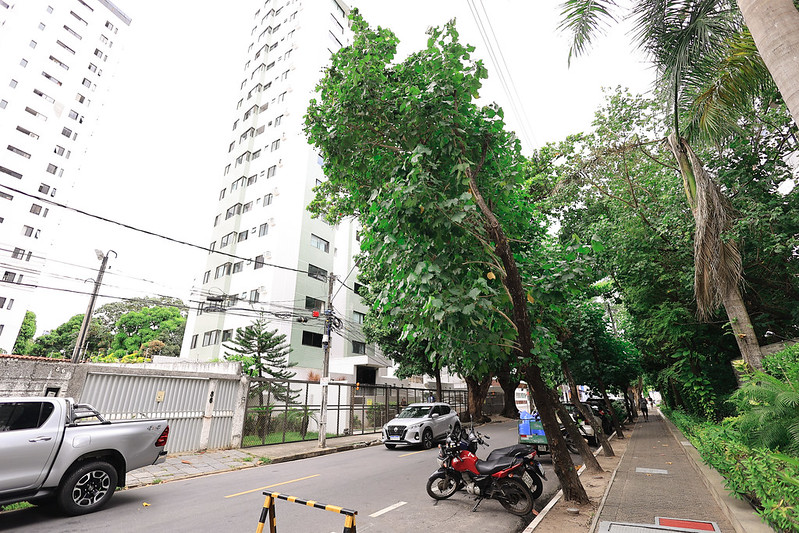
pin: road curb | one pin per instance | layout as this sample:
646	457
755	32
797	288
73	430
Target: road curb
555	499
740	514
322	451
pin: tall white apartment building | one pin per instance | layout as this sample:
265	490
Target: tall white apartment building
55	62
268	256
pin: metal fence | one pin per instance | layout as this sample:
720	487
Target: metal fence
289	410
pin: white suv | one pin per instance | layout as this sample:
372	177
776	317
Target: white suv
420	423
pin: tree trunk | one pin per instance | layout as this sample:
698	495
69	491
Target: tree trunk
573	490
439	390
603	390
774	25
742	329
586	412
477	392
591	464
717	262
509	382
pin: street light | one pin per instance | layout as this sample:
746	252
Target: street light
83	334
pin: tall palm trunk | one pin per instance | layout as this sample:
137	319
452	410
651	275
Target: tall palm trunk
717	263
774	25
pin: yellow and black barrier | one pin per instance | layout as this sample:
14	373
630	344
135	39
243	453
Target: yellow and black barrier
268	511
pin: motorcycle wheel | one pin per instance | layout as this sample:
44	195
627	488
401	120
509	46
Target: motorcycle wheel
514	496
538	485
441	487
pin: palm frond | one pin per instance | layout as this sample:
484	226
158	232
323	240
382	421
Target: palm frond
735	76
583	19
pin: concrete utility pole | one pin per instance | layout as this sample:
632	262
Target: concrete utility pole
326	361
83	334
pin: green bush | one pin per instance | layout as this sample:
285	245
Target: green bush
769	480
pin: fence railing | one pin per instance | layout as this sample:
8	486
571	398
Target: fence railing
281	411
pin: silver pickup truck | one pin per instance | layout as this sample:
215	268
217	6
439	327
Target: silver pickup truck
54	451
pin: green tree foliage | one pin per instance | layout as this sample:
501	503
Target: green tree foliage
60	342
136	328
263	353
26	333
769	404
630	198
434	180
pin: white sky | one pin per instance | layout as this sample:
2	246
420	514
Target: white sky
161	142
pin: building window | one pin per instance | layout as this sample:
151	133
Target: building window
51	168
246	207
222	270
255	296
207	276
359	289
222	193
17	151
359	347
27	231
317	273
9	277
320	243
268	199
227	239
271	171
36	209
238	267
314	304
263	229
193	342
18	253
211	337
227	335
309	338
259	262
243	236
3	104
358	317
44	188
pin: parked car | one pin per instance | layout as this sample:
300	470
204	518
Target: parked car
420	424
598	404
55	451
586	430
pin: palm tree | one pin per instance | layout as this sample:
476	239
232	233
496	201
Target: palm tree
683	40
774	27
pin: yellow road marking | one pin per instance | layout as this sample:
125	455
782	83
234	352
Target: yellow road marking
413	453
270	486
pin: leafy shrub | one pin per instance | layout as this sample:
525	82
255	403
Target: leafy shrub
766	478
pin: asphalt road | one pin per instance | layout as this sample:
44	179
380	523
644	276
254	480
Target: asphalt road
386	487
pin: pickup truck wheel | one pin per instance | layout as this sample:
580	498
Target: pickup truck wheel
87	488
427	439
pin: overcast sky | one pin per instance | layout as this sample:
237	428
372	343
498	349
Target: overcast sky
161	142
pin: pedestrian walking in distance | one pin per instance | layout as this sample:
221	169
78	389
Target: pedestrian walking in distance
642	404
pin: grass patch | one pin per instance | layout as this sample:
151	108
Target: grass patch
277	438
15	506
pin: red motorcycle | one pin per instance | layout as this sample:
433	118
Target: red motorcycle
504	478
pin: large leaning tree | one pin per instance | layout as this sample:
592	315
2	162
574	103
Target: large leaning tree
422	167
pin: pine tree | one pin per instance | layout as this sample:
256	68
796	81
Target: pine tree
263	353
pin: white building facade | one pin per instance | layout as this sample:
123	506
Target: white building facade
56	58
268	257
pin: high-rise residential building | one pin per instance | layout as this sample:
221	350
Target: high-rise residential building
268	258
56	58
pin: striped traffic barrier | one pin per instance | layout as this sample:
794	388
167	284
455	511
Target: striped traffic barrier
268	511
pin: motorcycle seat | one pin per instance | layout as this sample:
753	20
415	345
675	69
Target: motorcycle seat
517	450
495	465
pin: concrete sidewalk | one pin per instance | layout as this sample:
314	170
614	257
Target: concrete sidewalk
661	475
186	465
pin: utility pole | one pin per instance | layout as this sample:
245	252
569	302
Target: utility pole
83	334
326	360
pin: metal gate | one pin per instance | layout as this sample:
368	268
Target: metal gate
185	402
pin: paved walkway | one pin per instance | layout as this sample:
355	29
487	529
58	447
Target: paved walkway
659	477
186	465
